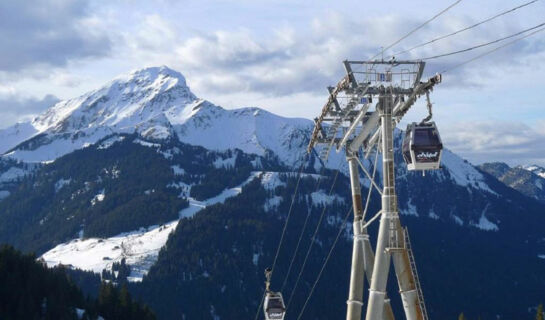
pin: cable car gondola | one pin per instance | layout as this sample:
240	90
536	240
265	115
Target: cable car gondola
422	146
273	305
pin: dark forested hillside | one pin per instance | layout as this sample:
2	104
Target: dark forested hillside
103	190
213	264
29	290
469	240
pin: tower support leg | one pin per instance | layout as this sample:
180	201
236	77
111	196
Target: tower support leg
363	257
391	240
406	281
355	294
377	290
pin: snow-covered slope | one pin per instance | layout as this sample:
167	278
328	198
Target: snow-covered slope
16	134
528	180
155	102
540	171
252	130
139	248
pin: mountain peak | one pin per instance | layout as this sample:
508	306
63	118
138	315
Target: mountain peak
540	171
123	102
154	73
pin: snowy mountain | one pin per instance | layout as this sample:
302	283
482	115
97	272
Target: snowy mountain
157	104
540	171
529	180
190	195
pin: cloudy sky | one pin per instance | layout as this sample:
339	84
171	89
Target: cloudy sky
280	55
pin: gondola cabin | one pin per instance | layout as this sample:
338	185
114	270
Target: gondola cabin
273	306
422	146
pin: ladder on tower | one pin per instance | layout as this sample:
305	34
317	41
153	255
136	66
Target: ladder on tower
415	275
332	132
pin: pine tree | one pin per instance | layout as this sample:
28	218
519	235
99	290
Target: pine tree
539	314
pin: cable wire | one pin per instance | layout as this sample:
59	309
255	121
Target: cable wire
466	28
285	227
492	50
324	264
325	261
484	44
313	238
416	29
370	184
301	235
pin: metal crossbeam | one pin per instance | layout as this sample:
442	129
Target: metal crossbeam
346	121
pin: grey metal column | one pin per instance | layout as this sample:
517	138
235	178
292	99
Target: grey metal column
407	285
363	257
377	291
355	294
369	262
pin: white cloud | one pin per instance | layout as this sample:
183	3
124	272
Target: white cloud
285	60
283	57
511	142
44	34
16	108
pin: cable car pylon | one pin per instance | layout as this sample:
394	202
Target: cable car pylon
348	122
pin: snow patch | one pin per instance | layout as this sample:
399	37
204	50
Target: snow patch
256	163
225	163
139	248
61	183
156	132
57	145
411	209
12	174
463	173
541	256
323	199
433	215
99	197
485	224
147	143
272	203
213	313
196	206
271	180
110	142
458	220
178	171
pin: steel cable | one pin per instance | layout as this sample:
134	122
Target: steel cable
416	29
485	44
312	240
466	28
284	228
324	264
492	50
301	235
